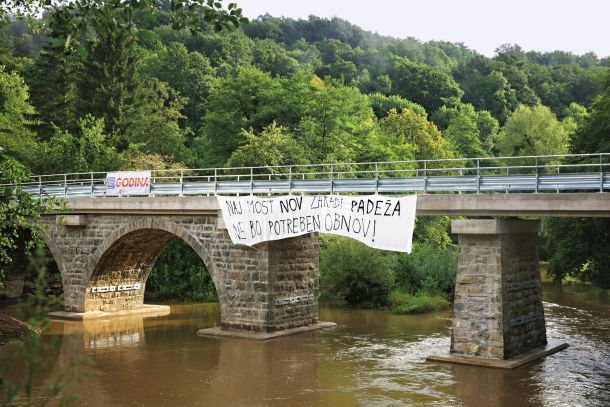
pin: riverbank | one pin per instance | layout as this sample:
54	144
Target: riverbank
419	303
12	329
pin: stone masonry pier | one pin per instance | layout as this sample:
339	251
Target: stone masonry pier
498	311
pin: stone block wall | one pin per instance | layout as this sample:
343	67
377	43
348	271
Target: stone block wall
477	309
294	281
113	250
524	326
498	296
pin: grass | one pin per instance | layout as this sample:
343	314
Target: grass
421	302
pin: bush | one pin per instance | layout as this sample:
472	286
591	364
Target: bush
423	301
355	274
427	267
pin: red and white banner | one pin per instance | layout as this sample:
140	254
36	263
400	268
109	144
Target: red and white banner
128	183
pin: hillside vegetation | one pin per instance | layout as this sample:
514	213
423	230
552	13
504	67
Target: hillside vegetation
283	91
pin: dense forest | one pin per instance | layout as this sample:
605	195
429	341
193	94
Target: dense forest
283	91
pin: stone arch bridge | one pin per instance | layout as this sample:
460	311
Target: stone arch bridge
273	287
96	251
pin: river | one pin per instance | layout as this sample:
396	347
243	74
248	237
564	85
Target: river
372	358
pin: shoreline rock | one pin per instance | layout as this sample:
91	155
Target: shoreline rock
13	329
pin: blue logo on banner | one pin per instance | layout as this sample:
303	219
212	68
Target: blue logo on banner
111	182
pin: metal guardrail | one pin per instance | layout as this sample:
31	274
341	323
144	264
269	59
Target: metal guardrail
551	173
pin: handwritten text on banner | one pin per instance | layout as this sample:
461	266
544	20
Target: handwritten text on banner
378	221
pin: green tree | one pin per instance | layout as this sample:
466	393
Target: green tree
512	62
227	51
382	104
54	80
466	123
534	131
579	248
189	73
328	119
151	123
243	101
272	147
422	84
20	212
408	127
487	89
88	149
488	127
84	20
594	135
179	273
7	59
336	120
463	134
427	264
16	114
110	80
307	54
576	112
271	57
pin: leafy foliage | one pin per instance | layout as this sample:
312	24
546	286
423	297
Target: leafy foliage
382	104
355	274
409	128
534	131
406	303
272	147
579	248
179	273
19	211
428	86
428	267
594	135
85	20
15	115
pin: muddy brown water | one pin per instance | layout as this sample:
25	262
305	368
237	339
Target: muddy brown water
372	358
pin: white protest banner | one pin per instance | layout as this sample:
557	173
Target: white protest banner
128	183
378	221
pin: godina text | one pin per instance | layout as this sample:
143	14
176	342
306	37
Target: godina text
132	182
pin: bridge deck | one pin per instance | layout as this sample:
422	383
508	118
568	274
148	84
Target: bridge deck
594	204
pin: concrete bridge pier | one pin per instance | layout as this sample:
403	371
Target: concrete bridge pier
498	316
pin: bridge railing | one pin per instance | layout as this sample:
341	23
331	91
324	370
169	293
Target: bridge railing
549	173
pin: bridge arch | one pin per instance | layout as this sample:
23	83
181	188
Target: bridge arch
127	256
21	273
57	257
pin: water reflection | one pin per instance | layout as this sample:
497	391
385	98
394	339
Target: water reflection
106	333
277	372
371	358
476	386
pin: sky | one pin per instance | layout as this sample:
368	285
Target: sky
541	25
